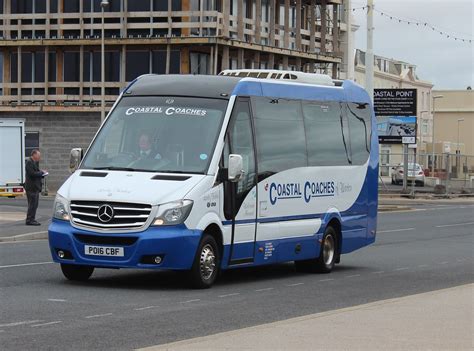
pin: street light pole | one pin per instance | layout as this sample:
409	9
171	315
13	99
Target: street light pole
457	145
433	134
103	5
458	152
369	59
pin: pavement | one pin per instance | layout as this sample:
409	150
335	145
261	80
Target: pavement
437	320
421	250
12	219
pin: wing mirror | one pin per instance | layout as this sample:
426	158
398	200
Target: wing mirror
236	169
75	159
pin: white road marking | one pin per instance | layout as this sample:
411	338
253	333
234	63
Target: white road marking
422	265
352	276
295	284
22	241
98	315
189	301
401	269
57	300
43	324
227	295
14	324
454	225
145	308
378	272
445	262
25	264
265	289
396	230
325	280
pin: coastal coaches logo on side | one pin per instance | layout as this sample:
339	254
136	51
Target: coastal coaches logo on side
306	191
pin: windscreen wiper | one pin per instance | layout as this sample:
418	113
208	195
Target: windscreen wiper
128	169
112	168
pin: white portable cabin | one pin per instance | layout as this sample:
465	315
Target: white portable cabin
12	157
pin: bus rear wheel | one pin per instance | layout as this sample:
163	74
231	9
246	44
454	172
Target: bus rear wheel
206	264
327	255
76	272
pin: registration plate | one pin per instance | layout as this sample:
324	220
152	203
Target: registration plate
103	251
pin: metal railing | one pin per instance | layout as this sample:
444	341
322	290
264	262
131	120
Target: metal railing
454	172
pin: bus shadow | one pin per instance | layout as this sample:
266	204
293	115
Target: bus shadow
173	280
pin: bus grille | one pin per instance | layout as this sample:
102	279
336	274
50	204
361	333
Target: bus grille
109	215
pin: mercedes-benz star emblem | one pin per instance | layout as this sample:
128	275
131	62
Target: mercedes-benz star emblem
105	213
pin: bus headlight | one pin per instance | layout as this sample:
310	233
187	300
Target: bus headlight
60	208
173	213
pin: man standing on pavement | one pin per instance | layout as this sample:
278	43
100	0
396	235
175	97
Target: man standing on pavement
33	186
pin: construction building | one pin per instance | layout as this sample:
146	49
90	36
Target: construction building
50	54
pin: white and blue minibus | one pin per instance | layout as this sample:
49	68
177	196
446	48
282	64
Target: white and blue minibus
208	173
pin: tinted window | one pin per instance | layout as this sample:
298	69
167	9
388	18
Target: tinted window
138	63
39	66
26	67
358	116
71	66
31	142
327	145
71	6
280	135
139	5
239	140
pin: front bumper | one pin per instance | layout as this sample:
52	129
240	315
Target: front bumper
417	178
177	245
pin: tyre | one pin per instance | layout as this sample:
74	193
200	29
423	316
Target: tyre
76	272
206	264
327	255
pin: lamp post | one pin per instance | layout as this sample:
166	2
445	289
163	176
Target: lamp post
457	145
421	123
369	56
433	134
458	151
421	126
103	5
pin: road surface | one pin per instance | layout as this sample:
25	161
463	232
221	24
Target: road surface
417	251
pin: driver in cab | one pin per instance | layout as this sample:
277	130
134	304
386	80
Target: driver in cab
147	157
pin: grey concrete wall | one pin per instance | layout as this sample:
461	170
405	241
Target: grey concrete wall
59	132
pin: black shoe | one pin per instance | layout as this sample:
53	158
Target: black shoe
33	223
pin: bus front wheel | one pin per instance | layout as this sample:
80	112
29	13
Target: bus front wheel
76	272
327	255
206	263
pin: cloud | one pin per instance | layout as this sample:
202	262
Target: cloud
446	63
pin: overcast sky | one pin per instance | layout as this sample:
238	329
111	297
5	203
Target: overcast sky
448	64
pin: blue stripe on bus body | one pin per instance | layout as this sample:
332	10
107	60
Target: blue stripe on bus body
273	219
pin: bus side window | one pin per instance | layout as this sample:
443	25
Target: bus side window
359	118
326	136
280	135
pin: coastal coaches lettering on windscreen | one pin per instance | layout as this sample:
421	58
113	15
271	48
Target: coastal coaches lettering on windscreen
208	173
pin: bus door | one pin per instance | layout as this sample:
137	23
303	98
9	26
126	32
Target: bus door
240	198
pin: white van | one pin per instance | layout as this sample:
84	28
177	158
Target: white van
207	173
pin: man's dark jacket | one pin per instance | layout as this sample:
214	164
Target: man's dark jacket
33	176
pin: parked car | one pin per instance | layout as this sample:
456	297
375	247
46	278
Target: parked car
415	173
